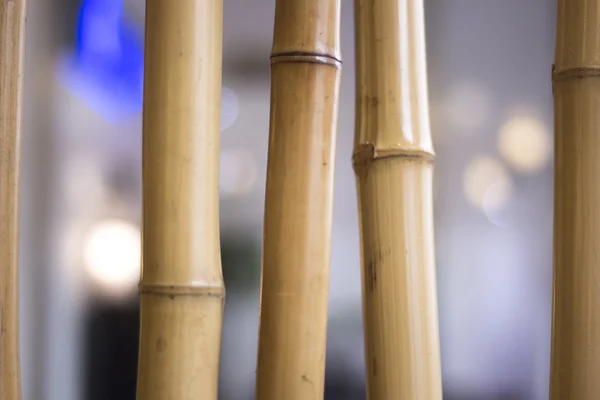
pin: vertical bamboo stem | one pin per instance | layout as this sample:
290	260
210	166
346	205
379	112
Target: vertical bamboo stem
576	317
393	160
12	49
305	79
182	289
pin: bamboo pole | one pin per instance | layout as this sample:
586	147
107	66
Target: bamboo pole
305	79
575	359
393	161
182	289
12	42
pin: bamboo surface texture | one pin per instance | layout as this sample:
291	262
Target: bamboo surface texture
182	289
393	161
575	360
305	79
12	48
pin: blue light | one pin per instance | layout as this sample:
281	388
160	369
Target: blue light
106	69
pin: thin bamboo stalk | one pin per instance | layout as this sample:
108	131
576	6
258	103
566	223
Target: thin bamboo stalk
12	50
182	289
393	161
305	79
576	316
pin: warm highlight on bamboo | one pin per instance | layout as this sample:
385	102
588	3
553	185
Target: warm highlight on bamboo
393	162
305	79
12	49
182	287
575	364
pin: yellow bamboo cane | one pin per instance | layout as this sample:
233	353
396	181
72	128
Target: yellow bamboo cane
12	48
576	321
182	288
393	160
305	79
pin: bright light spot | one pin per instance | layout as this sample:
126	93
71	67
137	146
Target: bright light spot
112	255
487	184
524	143
499	216
230	108
467	106
238	172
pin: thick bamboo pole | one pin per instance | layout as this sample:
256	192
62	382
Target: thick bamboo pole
12	49
576	319
182	289
305	79
393	160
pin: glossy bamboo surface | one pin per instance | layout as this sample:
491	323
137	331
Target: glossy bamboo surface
12	48
575	363
182	288
393	160
305	79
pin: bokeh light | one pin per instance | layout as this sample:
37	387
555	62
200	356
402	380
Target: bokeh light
487	184
112	255
524	143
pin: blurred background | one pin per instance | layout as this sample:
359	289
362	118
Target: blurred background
491	111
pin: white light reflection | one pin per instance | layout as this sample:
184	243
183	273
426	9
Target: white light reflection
112	255
524	142
487	184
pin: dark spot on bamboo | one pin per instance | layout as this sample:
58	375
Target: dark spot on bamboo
306	379
377	258
363	155
161	344
374	101
371	278
172	297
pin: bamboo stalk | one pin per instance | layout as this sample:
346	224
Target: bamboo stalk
393	161
12	50
576	316
305	79
182	289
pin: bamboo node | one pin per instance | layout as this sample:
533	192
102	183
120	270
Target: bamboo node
305	57
575	73
367	153
178	290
